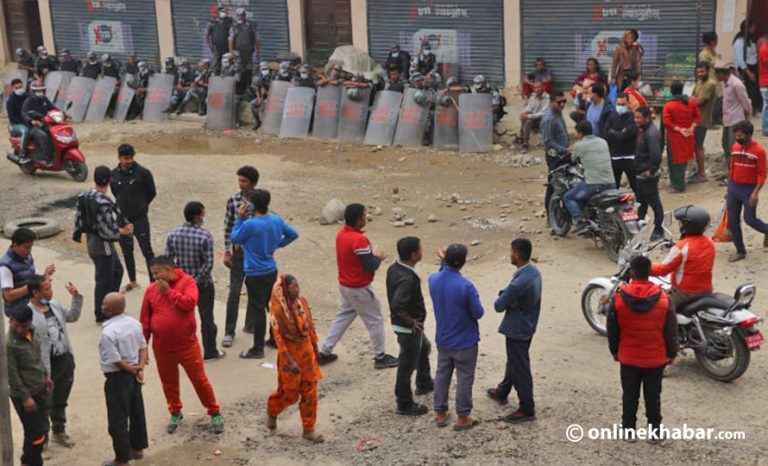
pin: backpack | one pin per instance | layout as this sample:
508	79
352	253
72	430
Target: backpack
89	210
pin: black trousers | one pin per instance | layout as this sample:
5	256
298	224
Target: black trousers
414	356
142	234
518	374
624	166
63	376
34	429
206	298
259	291
632	378
648	195
125	414
109	274
236	280
42	139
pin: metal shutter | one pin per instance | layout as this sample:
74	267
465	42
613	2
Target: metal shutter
470	32
566	34
191	18
117	27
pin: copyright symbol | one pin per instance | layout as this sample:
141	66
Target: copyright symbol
574	433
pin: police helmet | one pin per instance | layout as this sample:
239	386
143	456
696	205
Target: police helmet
91	54
305	68
142	66
169	59
106	57
355	94
285	66
65	52
693	220
479	80
20	52
264	65
204	62
420	97
240	12
41	48
452	81
445	101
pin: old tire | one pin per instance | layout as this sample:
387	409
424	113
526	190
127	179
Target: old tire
42	226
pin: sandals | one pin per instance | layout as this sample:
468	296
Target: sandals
472	423
130	287
444	421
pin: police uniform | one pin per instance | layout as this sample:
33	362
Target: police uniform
50	62
91	70
71	65
132	68
244	37
199	91
184	78
218	34
137	105
310	82
111	71
259	87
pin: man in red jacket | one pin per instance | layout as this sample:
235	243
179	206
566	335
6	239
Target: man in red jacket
642	334
746	178
168	314
691	260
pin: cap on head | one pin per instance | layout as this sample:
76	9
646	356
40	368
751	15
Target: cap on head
416	76
91	54
20	52
240	12
264	65
452	81
479	79
169	59
102	175
142	65
205	61
184	62
106	57
40	48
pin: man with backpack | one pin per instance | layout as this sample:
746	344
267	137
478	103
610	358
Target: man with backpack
99	218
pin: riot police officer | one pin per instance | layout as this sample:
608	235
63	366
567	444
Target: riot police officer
139	83
199	91
481	86
426	59
398	59
25	61
244	39
258	92
217	36
284	72
185	77
92	67
132	66
45	63
334	78
229	68
110	67
305	78
169	67
68	63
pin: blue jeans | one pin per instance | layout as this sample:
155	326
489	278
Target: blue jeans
764	90
579	194
23	132
738	197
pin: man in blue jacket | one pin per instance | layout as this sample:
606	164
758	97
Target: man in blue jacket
521	304
457	310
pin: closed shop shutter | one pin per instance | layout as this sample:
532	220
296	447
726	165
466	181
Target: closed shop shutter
117	27
470	33
566	34
191	19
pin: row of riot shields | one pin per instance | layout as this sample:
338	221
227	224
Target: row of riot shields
463	122
90	99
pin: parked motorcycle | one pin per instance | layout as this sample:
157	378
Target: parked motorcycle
720	329
66	152
611	213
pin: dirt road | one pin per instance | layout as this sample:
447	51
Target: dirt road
474	198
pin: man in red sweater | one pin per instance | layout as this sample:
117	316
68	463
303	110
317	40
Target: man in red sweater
168	314
745	179
642	335
762	62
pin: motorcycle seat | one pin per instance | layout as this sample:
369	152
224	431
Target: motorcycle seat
608	196
715	300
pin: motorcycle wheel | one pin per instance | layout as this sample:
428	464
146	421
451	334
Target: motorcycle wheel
594	306
559	218
77	170
28	168
727	357
613	238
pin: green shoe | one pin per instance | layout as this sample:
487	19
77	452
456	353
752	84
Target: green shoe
217	424
174	423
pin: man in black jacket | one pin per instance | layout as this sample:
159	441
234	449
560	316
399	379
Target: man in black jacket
13	106
647	162
408	312
621	134
134	189
33	111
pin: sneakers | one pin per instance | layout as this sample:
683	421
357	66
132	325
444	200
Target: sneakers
657	235
227	341
217	424
493	393
63	439
326	358
518	417
252	353
386	361
413	409
248	330
271	344
219	354
174	423
581	227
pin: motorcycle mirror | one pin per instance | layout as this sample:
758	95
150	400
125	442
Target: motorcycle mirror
69	105
745	294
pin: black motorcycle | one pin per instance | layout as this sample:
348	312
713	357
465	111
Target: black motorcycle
611	213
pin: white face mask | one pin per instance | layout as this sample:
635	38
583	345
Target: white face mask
265	72
395	54
40	94
19	91
222	14
304	75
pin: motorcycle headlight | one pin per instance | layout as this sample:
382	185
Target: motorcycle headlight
57	117
745	294
65	139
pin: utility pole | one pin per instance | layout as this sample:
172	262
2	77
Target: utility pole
6	436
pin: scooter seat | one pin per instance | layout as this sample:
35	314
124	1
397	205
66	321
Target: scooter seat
608	196
715	300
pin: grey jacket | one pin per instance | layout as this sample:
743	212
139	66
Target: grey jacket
64	316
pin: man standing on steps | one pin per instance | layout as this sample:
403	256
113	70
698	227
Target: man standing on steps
357	265
134	189
247	179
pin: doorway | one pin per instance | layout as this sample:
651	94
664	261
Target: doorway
22	26
328	25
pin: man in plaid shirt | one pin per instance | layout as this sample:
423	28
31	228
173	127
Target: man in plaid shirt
247	179
191	248
100	219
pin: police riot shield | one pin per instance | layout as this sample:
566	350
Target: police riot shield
9	76
63	89
273	115
446	123
353	115
412	121
159	93
79	95
326	122
475	123
383	121
124	98
297	114
100	99
221	103
52	83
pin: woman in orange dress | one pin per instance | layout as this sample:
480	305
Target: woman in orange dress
680	117
297	368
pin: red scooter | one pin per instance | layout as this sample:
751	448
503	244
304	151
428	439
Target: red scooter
66	153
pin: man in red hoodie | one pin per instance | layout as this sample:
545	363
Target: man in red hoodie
746	178
642	334
168	314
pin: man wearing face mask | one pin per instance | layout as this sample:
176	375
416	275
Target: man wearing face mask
258	91
481	86
244	38
426	59
199	91
284	72
33	111
68	63
45	63
306	77
217	36
335	78
92	68
398	59
109	67
229	67
25	61
621	134
169	67
184	79
139	83
132	67
13	106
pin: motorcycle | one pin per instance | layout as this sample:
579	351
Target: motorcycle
66	153
720	329
611	213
